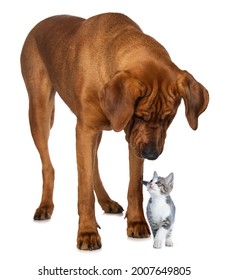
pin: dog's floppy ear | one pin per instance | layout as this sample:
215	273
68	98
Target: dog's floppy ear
118	98
195	97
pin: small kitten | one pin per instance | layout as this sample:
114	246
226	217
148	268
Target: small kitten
161	209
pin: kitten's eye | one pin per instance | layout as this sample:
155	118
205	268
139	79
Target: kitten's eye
158	183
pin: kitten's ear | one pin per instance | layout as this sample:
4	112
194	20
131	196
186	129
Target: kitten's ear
169	179
145	183
155	175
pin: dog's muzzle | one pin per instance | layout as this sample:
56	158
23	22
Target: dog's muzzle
149	154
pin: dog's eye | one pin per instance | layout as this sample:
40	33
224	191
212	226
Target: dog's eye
168	119
138	117
144	117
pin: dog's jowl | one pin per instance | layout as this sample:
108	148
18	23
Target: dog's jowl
112	76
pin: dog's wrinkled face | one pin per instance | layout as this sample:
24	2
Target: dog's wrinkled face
146	111
147	136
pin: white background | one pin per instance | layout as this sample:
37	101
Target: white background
195	35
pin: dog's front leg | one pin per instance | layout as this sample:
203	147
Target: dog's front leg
136	224
88	237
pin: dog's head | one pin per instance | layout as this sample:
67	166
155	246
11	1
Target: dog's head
145	111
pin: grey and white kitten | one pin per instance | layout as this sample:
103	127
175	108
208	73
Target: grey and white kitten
161	209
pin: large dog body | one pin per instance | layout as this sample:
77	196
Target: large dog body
112	76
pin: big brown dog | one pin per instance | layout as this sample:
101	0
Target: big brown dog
112	76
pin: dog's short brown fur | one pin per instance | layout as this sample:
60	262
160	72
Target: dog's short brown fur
112	76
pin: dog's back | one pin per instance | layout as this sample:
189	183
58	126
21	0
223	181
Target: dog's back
57	37
110	39
68	48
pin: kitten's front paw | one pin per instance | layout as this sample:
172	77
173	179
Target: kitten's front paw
169	243
157	244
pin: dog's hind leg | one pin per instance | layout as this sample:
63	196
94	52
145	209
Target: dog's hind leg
41	120
41	116
106	203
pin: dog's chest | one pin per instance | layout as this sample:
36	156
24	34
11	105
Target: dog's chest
159	209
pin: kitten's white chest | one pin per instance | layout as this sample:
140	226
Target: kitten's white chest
159	209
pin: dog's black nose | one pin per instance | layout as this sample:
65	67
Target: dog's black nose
149	154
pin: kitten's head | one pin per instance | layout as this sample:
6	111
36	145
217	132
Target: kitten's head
160	185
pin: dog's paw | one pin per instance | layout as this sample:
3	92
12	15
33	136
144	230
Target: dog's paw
43	212
111	206
138	230
88	241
